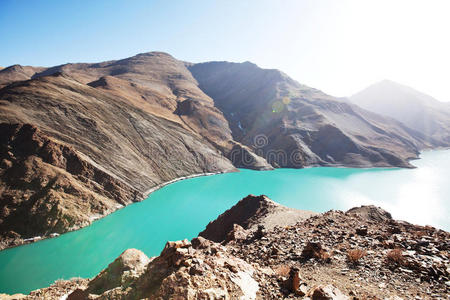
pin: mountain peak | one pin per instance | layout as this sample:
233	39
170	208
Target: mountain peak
154	53
415	109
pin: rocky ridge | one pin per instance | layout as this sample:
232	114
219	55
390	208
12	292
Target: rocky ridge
17	73
250	213
359	254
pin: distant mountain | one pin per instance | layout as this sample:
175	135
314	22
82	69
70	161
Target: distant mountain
78	141
293	125
416	110
17	73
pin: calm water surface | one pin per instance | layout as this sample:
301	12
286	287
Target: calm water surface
181	210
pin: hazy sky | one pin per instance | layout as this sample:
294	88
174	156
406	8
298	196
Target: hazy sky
339	47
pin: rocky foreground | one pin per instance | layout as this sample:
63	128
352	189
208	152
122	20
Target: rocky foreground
359	254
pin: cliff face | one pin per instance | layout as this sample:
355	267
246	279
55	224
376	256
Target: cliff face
359	254
292	125
48	187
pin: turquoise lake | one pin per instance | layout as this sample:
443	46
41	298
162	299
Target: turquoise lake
182	209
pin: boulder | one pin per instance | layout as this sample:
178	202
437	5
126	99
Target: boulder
326	292
314	250
293	282
200	243
236	234
121	272
361	230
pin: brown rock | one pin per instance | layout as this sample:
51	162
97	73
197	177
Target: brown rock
78	294
120	273
327	292
315	250
237	233
361	230
200	243
293	282
171	246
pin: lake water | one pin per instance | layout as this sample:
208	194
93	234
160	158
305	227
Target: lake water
182	209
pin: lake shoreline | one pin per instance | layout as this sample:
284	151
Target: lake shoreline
147	193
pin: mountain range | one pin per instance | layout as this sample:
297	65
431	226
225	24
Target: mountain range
416	110
78	141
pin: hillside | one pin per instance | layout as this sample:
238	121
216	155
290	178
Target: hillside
76	146
17	73
416	110
292	125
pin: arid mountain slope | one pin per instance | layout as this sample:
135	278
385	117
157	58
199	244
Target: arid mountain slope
292	125
413	108
49	187
118	142
17	73
160	81
158	84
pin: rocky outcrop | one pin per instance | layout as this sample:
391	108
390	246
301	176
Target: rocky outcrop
243	157
370	213
59	290
184	270
120	273
398	258
41	182
251	212
310	259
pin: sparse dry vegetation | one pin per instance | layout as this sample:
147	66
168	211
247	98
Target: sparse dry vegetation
395	257
354	255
